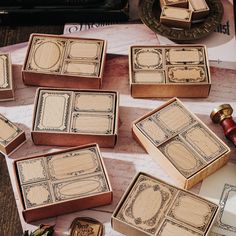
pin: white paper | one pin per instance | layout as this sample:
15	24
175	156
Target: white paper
221	189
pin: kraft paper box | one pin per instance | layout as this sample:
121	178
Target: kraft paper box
169	71
11	136
153	207
64	62
61	182
66	117
181	143
6	81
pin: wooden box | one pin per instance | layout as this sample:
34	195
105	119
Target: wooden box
176	17
64	62
153	207
169	71
181	143
6	82
174	3
11	136
75	117
199	9
62	182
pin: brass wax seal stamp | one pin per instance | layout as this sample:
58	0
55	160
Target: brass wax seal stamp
84	226
223	116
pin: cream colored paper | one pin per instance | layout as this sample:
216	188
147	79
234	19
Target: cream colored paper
221	189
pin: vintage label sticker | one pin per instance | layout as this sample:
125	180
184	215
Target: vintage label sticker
73	164
147	58
92	123
53	111
80	187
192	211
204	143
185	160
94	102
32	170
146	204
46	54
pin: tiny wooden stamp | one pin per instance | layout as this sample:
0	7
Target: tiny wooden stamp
167	71
200	9
180	143
62	182
11	136
153	207
63	61
6	81
176	17
174	3
83	115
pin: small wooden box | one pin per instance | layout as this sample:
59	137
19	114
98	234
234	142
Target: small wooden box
153	207
181	143
64	62
6	82
169	71
62	182
75	117
176	17
11	136
174	3
199	8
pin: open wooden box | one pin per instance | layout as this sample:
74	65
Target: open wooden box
169	71
75	117
64	62
151	207
11	136
6	81
62	182
181	143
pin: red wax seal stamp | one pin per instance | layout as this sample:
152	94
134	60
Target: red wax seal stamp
223	116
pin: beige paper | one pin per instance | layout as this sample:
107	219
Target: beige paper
220	188
4	74
176	13
198	5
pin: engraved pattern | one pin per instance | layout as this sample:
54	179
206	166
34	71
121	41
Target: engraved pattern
143	183
206	219
17	131
193	161
40	118
149	16
223	201
201	140
6	82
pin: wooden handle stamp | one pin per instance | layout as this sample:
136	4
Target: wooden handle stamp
223	116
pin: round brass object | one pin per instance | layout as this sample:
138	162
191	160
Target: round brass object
221	112
84	226
150	11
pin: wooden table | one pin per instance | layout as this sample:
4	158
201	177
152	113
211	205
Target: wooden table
127	158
